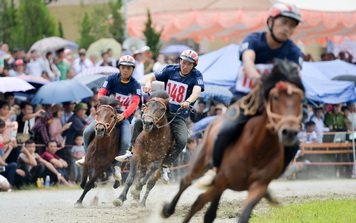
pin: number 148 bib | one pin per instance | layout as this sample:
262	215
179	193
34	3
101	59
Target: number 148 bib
177	92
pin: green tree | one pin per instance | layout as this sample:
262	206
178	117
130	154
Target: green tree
85	32
60	29
7	22
116	22
152	37
99	23
36	23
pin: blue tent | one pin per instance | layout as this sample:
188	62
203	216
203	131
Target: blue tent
220	68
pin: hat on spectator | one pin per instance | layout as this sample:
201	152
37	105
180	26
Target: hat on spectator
19	62
80	106
56	108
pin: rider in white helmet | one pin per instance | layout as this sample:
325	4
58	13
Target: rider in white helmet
257	52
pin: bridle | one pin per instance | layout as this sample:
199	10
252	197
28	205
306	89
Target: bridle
155	119
104	124
276	120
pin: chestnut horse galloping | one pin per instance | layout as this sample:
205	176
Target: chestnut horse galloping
256	157
103	148
150	149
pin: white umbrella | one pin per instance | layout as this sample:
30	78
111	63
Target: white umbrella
53	43
11	84
98	70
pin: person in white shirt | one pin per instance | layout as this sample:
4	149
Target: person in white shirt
311	136
81	63
36	64
139	71
319	124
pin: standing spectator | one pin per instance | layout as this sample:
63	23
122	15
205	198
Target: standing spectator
81	63
139	70
93	58
68	111
59	164
160	64
105	60
147	60
61	64
56	128
335	119
199	112
36	64
40	129
51	68
77	152
19	69
317	118
111	58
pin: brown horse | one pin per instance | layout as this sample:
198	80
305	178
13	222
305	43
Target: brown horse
151	147
256	157
103	148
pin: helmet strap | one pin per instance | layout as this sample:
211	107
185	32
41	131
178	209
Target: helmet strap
271	31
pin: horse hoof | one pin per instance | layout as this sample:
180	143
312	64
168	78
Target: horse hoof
134	192
78	205
118	203
165	213
134	203
95	201
116	184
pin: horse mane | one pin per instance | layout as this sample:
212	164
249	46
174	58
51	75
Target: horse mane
283	70
112	101
164	95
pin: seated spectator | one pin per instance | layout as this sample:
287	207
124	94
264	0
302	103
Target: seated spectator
55	128
334	119
29	164
77	152
346	112
59	164
4	184
198	112
311	136
40	129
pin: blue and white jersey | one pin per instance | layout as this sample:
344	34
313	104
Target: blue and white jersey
264	57
123	92
179	88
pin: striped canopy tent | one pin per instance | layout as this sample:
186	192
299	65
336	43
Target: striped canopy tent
231	20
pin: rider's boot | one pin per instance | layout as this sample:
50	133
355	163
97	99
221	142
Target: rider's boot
80	162
124	158
164	174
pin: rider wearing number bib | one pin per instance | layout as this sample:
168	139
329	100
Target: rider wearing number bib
183	82
257	52
127	90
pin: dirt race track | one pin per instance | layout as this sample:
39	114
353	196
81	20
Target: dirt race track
57	205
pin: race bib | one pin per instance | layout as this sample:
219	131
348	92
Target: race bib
243	82
125	101
177	92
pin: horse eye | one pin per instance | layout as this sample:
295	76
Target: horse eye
112	116
275	98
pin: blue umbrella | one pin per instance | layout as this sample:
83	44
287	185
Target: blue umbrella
219	93
201	125
61	91
175	49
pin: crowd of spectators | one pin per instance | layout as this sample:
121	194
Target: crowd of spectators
326	56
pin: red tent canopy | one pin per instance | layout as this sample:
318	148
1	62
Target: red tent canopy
231	20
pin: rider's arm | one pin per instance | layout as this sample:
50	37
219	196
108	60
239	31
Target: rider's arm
102	92
195	94
133	106
148	83
248	61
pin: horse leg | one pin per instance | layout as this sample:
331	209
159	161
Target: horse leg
272	200
255	193
88	186
136	189
130	179
151	183
85	175
193	172
212	194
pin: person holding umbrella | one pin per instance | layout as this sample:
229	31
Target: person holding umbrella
128	92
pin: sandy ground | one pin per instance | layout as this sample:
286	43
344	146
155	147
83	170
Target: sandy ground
57	205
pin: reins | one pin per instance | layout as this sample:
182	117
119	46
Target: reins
106	125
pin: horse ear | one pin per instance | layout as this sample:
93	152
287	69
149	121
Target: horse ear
166	101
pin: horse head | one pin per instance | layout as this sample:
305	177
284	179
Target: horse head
284	96
155	111
106	116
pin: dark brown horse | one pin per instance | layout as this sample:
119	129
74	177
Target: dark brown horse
256	157
151	147
104	146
